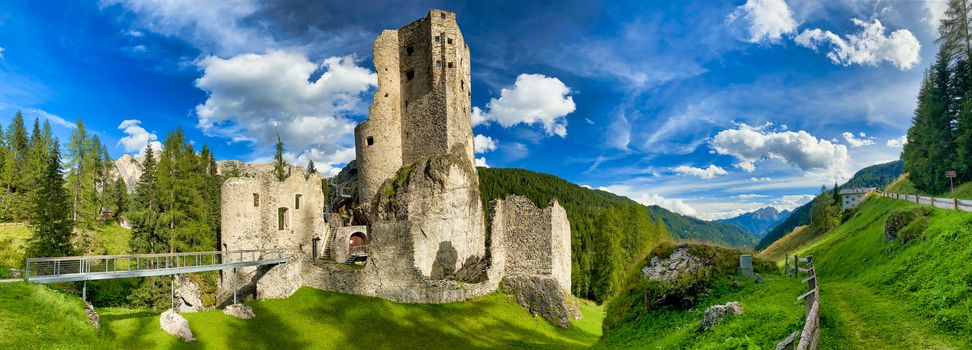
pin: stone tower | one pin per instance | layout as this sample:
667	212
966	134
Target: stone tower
422	106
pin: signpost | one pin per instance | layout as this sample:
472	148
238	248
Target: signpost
951	175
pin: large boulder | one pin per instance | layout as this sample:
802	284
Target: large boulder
176	325
542	296
240	311
717	313
187	295
680	263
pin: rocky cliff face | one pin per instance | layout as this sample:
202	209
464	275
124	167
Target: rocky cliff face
129	169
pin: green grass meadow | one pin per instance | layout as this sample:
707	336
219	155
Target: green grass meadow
43	318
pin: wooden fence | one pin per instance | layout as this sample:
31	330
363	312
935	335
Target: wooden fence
942	203
13	224
809	337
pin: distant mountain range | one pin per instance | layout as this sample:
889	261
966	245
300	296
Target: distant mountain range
689	228
758	222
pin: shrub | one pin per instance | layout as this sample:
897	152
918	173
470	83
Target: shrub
899	224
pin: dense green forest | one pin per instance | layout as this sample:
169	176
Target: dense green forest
689	228
940	138
610	232
878	176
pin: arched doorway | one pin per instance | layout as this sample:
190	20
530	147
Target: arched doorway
357	247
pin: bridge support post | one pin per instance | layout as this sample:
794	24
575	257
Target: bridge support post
172	294
234	287
84	291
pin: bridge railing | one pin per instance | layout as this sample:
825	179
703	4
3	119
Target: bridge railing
78	265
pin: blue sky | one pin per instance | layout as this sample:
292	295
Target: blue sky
707	108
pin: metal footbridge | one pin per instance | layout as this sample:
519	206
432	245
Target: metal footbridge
101	267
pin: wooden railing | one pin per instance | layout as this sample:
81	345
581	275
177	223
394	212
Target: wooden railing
941	203
809	337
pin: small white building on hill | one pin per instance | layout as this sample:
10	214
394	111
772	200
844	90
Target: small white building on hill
851	197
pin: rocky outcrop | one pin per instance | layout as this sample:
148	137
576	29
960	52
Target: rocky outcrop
129	169
176	325
717	313
906	224
92	315
240	311
681	262
542	296
187	295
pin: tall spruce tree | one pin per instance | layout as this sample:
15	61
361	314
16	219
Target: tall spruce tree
144	211
17	185
51	215
311	169
279	165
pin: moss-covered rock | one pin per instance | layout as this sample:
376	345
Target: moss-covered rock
907	223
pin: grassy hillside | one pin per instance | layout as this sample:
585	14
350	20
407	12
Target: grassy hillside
39	317
905	295
652	315
879	176
689	228
104	239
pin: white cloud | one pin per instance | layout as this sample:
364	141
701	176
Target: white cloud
484	144
936	11
1	53
134	33
750	145
216	26
760	179
790	202
898	141
649	199
253	98
481	162
869	47
137	139
764	20
750	196
860	141
703	173
534	98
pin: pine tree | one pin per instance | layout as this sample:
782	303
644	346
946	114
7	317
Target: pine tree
278	162
17	185
144	211
51	215
310	169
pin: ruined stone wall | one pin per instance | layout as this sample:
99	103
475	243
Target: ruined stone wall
250	225
339	245
536	241
379	139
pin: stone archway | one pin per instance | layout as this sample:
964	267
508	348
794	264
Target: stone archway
357	239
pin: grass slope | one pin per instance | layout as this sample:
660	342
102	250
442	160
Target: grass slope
654	315
13	243
883	295
40	317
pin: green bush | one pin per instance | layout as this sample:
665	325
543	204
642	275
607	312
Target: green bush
906	223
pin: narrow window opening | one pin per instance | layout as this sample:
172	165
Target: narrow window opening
450	64
437	39
449	40
371	140
438	64
442	15
297	201
256	200
409	75
462	85
406	103
409	50
283	219
386	94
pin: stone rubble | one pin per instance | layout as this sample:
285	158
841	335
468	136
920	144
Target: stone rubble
187	295
717	313
92	315
176	325
679	263
240	311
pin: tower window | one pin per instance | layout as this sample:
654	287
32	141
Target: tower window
409	75
437	39
462	85
449	40
442	15
438	64
450	64
406	103
297	201
409	50
256	200
283	219
371	140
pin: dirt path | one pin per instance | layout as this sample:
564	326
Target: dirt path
862	319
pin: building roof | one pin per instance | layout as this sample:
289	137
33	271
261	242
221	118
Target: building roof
861	190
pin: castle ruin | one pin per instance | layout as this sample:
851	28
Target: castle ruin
405	221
